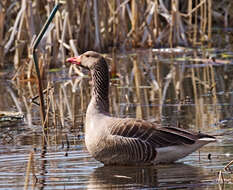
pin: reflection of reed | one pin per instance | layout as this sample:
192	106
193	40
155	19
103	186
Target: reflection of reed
30	170
197	108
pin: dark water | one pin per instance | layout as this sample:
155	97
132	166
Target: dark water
182	87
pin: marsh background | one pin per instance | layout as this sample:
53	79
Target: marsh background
171	61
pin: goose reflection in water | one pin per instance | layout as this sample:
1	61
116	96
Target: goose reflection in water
162	176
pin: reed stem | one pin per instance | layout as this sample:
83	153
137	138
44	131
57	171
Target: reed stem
34	46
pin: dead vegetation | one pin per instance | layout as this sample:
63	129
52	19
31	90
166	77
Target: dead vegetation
103	25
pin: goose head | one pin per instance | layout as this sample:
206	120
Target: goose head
87	60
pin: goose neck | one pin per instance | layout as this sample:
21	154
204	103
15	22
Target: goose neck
100	87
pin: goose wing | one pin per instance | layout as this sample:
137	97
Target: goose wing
152	133
137	140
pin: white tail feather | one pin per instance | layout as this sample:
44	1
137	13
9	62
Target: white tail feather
207	139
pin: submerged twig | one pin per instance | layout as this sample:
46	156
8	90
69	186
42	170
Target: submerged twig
227	167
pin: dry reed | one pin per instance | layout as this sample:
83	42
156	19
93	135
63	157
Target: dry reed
100	25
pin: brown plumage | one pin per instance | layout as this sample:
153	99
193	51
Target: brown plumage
127	141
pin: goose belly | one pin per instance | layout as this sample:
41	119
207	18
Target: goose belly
173	153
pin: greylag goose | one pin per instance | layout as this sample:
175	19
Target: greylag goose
129	141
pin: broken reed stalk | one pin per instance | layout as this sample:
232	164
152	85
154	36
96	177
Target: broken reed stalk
114	25
14	30
20	36
63	36
204	20
195	24
209	20
97	27
156	20
2	22
190	4
201	21
34	46
172	23
137	79
134	22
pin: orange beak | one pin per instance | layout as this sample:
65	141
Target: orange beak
74	60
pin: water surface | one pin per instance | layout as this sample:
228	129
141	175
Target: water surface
172	86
